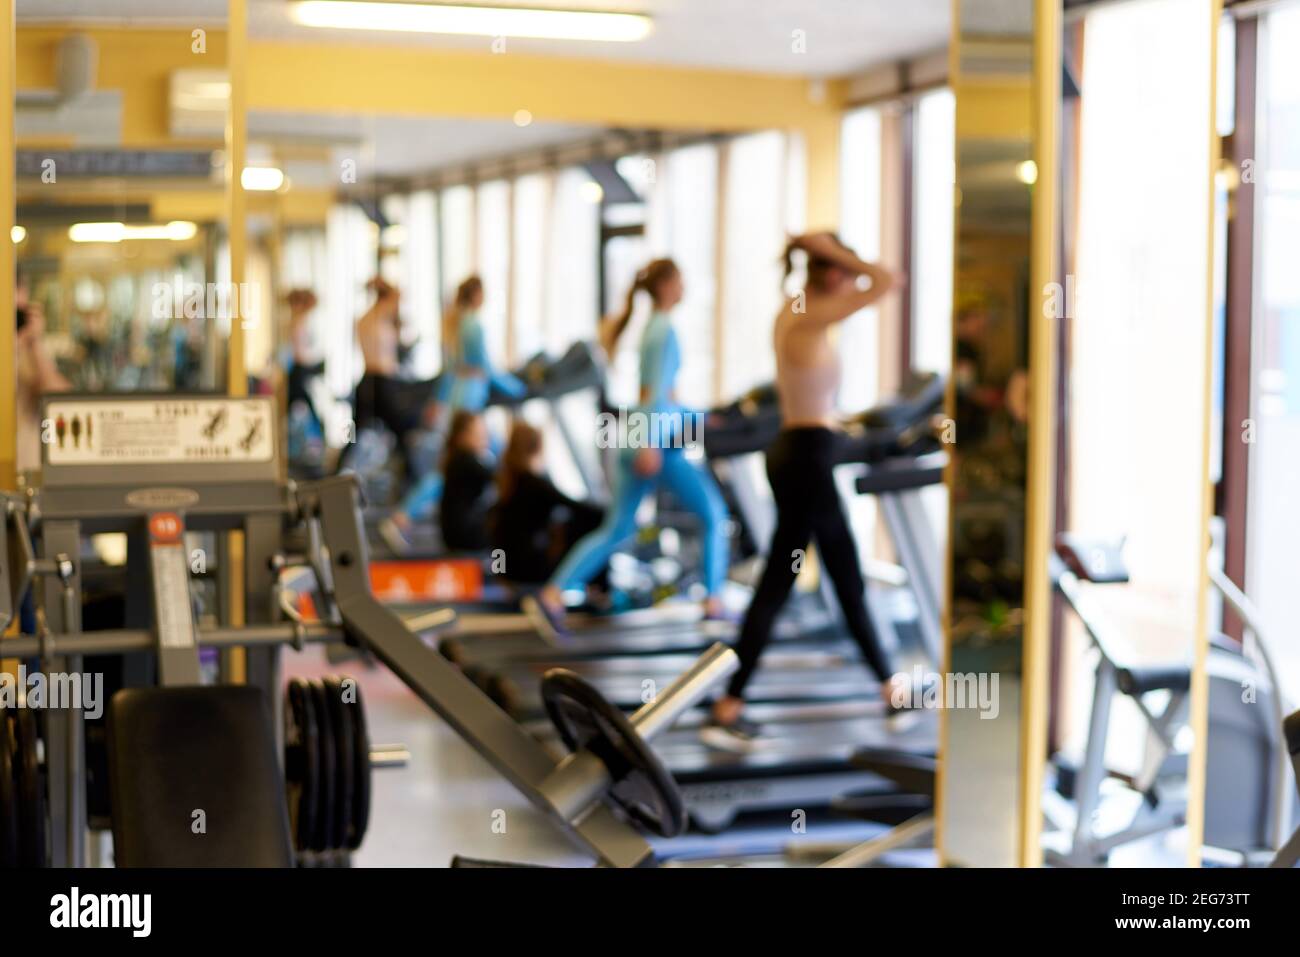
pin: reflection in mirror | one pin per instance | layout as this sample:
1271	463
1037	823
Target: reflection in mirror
119	205
992	57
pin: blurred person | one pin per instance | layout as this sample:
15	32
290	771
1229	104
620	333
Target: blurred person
644	469
467	380
801	470
36	374
469	483
533	522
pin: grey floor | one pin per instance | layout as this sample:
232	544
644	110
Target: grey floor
448	800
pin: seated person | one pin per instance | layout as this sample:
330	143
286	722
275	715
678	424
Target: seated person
467	492
533	522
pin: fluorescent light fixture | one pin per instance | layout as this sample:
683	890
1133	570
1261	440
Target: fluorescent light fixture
18	234
262	179
468	20
176	231
1027	172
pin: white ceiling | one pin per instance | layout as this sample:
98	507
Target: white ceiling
401	145
841	36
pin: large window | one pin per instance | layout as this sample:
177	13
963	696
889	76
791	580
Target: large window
1137	390
683	224
1273	575
935	175
456	208
416	239
755	210
574	237
528	264
860	228
493	238
350	240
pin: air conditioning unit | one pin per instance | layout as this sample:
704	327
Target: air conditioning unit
74	107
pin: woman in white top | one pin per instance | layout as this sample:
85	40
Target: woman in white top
800	468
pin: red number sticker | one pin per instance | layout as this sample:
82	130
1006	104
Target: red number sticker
165	527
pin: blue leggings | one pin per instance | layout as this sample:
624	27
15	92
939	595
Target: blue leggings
692	485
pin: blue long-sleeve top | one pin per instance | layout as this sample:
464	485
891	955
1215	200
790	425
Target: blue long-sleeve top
471	357
661	360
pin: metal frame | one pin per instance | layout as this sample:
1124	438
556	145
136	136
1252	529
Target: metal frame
1087	847
514	753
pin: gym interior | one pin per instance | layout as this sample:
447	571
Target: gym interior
641	433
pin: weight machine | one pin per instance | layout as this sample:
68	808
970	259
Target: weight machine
157	468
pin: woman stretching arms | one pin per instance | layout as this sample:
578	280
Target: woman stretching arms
800	468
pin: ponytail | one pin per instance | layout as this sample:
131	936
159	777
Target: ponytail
647	280
465	295
615	326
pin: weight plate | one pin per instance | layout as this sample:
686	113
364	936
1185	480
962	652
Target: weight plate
301	762
642	786
31	795
506	694
8	795
341	719
361	770
327	759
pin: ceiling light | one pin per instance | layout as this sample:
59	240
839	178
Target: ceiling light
523	118
176	231
473	20
1027	172
262	179
591	192
18	234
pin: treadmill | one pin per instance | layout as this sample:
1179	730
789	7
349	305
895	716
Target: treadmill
892	448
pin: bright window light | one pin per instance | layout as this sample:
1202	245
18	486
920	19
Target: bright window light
473	20
262	179
176	231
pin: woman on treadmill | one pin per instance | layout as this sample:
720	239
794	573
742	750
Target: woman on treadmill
644	469
467	381
800	468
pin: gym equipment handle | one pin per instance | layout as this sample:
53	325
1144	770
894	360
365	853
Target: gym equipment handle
658	715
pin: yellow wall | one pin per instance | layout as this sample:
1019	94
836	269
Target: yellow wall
137	62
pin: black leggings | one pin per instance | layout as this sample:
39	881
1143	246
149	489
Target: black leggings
800	468
396	403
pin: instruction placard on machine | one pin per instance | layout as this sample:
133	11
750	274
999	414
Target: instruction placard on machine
97	432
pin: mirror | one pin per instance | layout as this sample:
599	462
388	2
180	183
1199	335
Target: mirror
120	202
990	479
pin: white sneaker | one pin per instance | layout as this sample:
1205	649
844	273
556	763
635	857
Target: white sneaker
739	737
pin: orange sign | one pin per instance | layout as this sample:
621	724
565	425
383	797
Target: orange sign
165	528
451	579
